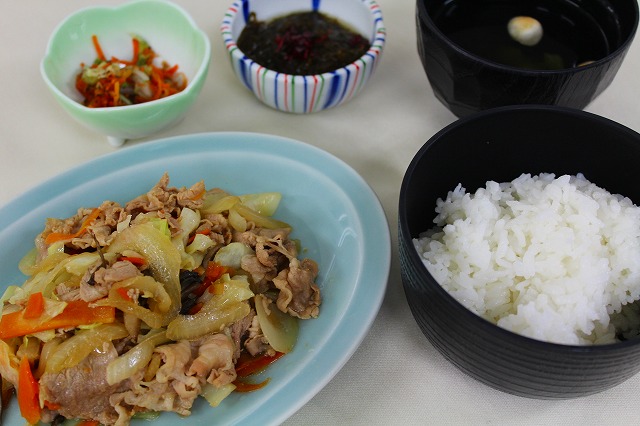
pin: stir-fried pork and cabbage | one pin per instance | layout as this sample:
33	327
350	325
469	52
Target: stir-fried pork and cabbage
144	307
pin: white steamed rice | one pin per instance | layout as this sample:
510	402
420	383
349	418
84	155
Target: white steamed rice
549	258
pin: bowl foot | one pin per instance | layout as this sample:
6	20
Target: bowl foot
116	141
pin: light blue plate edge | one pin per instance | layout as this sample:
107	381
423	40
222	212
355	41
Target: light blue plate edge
373	279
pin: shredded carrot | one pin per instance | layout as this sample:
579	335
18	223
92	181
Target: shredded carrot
171	71
116	92
35	306
96	45
57	236
157	93
136	51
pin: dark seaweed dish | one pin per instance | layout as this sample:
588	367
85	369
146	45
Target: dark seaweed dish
302	43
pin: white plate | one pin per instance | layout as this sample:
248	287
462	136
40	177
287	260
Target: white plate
334	213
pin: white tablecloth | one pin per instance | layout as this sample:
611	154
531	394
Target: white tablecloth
396	376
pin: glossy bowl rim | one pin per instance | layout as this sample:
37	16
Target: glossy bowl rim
192	85
428	281
424	16
370	56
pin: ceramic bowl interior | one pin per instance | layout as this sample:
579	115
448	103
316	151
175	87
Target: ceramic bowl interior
170	31
309	93
500	145
466	82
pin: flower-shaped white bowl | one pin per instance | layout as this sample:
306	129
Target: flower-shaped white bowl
305	93
170	31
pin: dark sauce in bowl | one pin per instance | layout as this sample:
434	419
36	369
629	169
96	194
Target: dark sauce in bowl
571	35
302	43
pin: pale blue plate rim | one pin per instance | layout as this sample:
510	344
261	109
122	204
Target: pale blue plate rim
369	290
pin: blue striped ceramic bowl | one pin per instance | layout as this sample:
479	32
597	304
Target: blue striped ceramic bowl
305	93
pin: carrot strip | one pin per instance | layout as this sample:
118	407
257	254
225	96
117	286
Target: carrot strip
247	367
138	261
249	387
199	291
96	45
212	273
57	236
136	51
196	308
77	312
116	92
193	237
155	77
124	293
28	393
51	405
35	306
172	70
